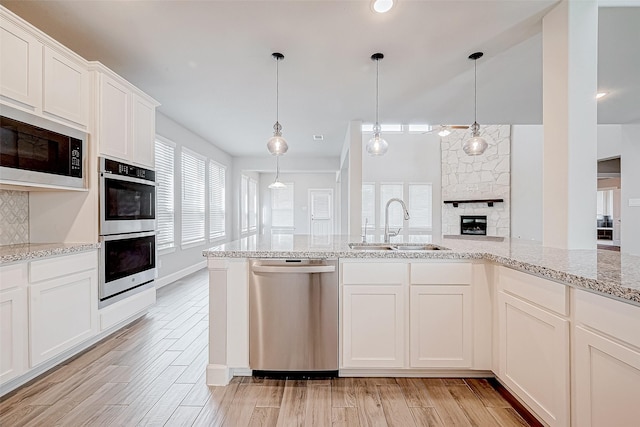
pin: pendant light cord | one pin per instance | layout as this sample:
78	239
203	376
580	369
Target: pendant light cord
277	89
377	89
475	91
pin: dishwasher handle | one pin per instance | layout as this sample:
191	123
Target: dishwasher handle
294	269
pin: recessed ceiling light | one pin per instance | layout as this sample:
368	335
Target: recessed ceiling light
382	6
318	137
601	95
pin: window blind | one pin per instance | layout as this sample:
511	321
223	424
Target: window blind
164	163
193	188
369	205
253	204
217	176
244	204
282	206
420	206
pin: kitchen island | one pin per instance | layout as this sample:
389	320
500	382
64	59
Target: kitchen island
537	318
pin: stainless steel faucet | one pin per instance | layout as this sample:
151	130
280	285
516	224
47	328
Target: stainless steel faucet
387	233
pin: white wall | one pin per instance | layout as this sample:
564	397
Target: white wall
181	260
411	158
267	164
526	182
609	141
302	184
630	178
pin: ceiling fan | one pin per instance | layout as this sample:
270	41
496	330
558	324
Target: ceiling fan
444	130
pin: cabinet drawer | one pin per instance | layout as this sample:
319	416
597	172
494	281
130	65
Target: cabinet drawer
61	266
370	273
615	318
13	276
548	294
441	273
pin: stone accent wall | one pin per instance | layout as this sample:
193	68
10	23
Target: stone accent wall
14	217
477	177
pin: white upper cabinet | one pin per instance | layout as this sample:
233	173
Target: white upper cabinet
143	130
125	120
20	67
114	103
66	88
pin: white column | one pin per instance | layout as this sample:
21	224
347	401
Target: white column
570	65
355	178
630	185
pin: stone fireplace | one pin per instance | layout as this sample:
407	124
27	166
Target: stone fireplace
474	181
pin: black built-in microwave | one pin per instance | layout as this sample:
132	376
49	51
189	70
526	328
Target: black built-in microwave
34	156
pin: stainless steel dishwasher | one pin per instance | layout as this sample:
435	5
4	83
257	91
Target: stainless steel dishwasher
293	316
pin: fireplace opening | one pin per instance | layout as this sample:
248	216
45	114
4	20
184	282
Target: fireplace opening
475	225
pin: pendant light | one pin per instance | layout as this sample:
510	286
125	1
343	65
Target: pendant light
475	145
276	183
377	146
277	145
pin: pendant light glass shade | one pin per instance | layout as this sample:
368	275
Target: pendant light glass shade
277	145
476	145
377	146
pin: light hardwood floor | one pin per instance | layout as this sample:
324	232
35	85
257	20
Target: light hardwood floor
152	373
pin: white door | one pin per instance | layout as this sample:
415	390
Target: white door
321	211
616	216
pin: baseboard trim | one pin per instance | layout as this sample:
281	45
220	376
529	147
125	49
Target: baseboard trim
218	375
415	373
50	365
170	278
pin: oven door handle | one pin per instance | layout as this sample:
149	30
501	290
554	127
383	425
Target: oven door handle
108	238
108	175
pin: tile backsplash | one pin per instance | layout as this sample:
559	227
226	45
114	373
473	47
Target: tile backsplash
14	217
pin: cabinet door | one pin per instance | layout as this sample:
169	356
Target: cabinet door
113	118
20	67
144	131
13	333
62	313
66	88
441	327
607	379
373	326
533	347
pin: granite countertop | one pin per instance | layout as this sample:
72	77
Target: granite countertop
607	272
31	251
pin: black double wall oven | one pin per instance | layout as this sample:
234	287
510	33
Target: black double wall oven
127	230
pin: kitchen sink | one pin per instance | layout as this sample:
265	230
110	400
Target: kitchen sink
371	247
395	247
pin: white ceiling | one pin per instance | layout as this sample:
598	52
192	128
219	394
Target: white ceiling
209	62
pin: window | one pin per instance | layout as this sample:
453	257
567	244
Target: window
193	191
244	204
253	204
420	206
216	200
396	215
165	156
368	205
418	200
248	205
282	206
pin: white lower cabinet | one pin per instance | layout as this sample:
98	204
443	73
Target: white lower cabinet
13	333
62	313
606	362
373	326
533	348
440	327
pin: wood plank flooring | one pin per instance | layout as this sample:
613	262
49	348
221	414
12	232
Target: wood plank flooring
152	373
